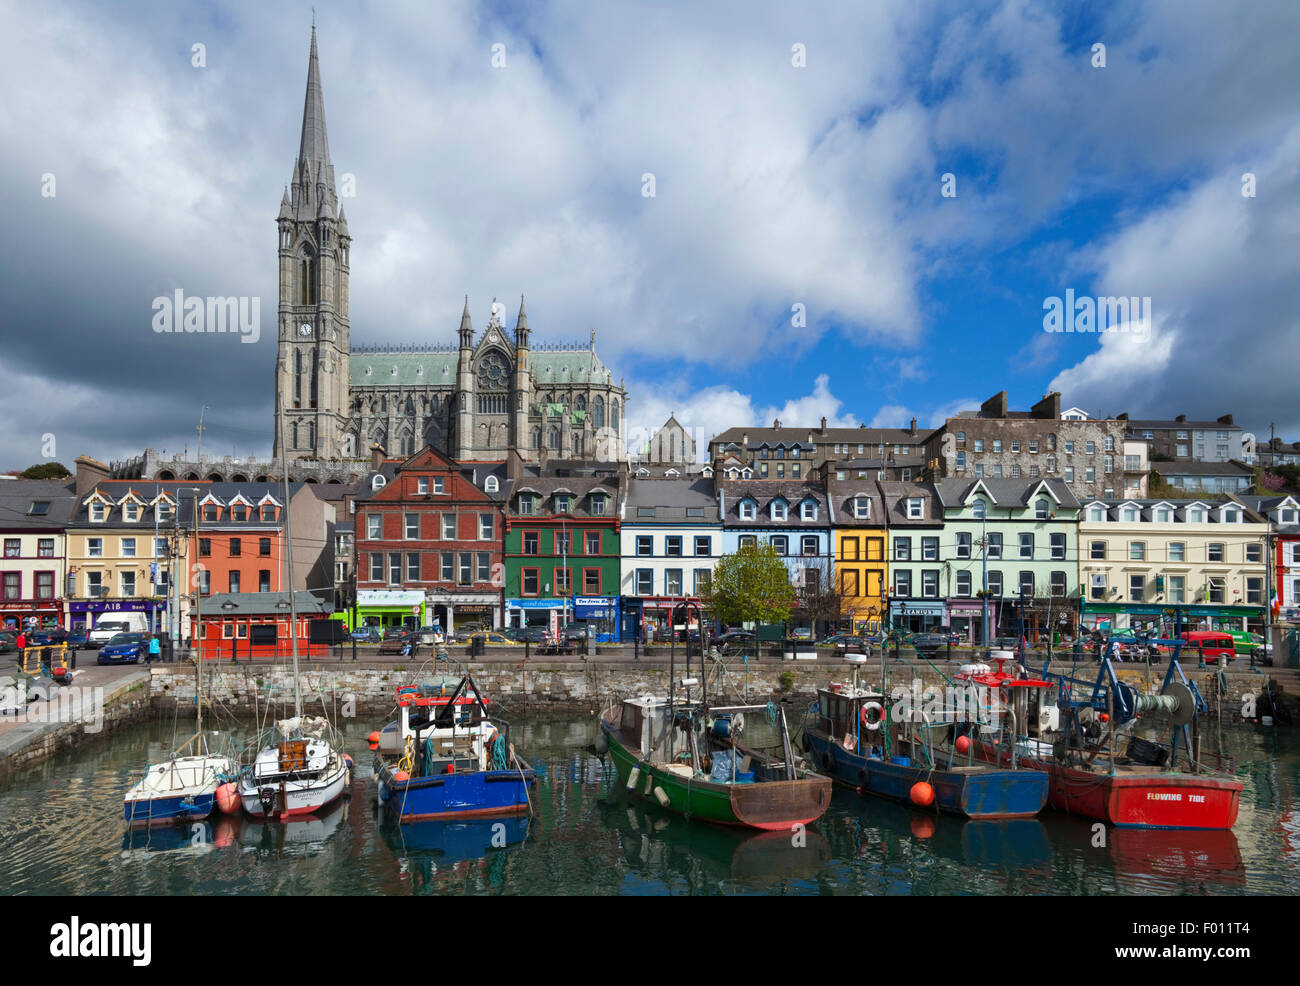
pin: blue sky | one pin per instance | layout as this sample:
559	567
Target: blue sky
776	185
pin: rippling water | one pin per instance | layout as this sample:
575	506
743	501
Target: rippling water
61	832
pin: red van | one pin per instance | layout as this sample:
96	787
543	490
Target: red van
1212	643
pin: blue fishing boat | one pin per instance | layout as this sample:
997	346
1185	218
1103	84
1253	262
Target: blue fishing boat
447	757
849	737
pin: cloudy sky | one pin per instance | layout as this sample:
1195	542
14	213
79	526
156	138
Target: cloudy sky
799	155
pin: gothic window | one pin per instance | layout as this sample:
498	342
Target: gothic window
295	435
307	276
383	405
493	372
581	403
577	443
314	371
598	412
311	435
297	381
410	406
613	414
537	438
553	439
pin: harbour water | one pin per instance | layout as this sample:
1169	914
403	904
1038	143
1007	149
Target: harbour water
61	832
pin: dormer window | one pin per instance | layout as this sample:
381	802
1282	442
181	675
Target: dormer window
164	510
748	510
808	511
1097	513
563	503
378	482
491	485
978	509
1042	509
97	513
778	510
210	513
525	504
267	512
1129	515
1196	515
598	504
131	512
1286	516
1231	516
1164	515
861	507
238	512
915	508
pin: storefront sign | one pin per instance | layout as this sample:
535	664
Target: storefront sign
389	597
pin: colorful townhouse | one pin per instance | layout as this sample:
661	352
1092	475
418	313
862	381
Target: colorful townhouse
1173	565
428	543
562	545
1283	514
915	594
795	520
860	546
34	514
671	538
128	537
1025	532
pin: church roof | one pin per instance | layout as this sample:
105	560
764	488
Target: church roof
550	368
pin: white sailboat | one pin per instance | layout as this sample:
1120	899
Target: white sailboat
301	772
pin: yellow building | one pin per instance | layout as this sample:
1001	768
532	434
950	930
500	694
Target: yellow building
861	563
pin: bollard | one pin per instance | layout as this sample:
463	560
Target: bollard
636	647
354	648
528	645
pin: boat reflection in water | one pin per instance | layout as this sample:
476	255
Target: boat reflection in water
436	853
668	846
193	838
297	835
1160	859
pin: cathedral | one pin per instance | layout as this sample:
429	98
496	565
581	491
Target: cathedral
472	399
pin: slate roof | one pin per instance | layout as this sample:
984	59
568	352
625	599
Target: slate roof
117	490
264	604
953	492
763	492
895	494
841	493
18	495
671	499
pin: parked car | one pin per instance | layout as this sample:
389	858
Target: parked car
1214	644
1248	643
531	635
366	635
801	633
847	642
430	636
927	643
395	643
46	638
7	642
575	633
735	642
78	638
111	624
123	648
952	635
491	638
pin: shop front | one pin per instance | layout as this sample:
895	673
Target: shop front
84	615
915	616
451	610
601	614
27	614
537	612
1169	621
655	621
383	608
966	617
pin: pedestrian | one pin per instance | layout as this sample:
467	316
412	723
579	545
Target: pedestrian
21	643
155	650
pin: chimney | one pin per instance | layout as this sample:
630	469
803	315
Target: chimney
90	472
823	424
722	503
863	426
376	457
1122	417
1048	408
776	422
995	406
1225	420
744	440
1181	419
912	429
514	465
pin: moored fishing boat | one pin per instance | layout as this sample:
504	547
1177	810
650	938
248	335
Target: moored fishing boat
181	789
1070	729
850	737
447	757
731	765
298	775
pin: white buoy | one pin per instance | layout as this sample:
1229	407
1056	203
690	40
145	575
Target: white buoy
649	782
633	777
661	797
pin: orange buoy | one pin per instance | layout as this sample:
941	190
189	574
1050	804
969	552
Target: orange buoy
373	737
922	794
401	776
228	799
1104	717
451	768
963	744
922	826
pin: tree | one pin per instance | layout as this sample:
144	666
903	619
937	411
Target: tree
821	595
46	470
751	586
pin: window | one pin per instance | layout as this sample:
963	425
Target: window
374	526
915	509
164	510
861	507
1214	552
597	505
645	585
963	583
902	549
979	470
1015	446
1058	547
703	546
930	583
422	484
45	547
1069	448
1164	515
978	509
673	546
1218	589
644	545
412	527
1058	585
14	547
1196	515
902	582
97	513
528	581
808	510
94	584
376	567
1026	546
437	484
961	460
748	541
1042	509
997	470
929	549
45	585
267	512
1137	551
484	572
210	512
1232	516
810	544
394	568
1177	551
491	485
264	547
963	544
1097	550
128	548
592	547
130	512
997	445
1097	586
563	578
1033	446
1015	472
780	544
995	583
747	510
995	546
778	510
1026	584
449	527
591	582
13	585
979	445
39	508
447	566
563	503
525	504
465	569
205	582
1254	591
1069	474
532	543
1090	474
234	581
486	527
1136	587
1090	448
1254	553
563	542
205	547
1177	589
762	470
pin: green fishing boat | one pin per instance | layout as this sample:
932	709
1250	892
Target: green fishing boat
730	765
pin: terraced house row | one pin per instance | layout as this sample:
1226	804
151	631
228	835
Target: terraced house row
622	546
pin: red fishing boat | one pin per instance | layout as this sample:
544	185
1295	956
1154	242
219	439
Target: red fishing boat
1071	729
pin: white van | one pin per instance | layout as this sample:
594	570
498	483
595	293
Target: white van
110	624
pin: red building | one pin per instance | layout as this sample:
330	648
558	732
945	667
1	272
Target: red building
430	526
240	625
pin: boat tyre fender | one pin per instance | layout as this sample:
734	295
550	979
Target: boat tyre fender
806	743
821	798
828	761
872	715
862	778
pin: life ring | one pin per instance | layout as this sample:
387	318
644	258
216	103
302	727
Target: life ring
867	721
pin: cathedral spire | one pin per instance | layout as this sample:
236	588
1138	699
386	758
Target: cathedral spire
466	328
314	147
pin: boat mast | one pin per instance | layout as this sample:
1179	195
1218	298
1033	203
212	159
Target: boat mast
288	555
198	599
